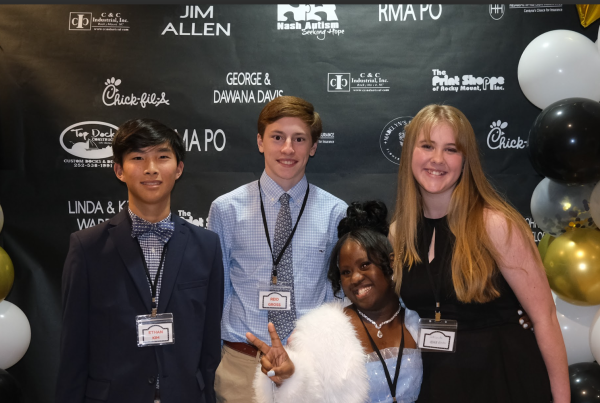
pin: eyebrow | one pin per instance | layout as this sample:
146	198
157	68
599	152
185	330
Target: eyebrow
293	134
431	141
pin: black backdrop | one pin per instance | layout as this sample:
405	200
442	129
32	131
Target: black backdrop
367	69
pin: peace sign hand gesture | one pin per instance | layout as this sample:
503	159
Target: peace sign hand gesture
274	359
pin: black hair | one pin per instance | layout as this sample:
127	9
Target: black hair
366	224
136	134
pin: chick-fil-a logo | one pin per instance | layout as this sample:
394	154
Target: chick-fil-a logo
112	97
496	139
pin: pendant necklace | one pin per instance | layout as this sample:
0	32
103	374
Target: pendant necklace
378	327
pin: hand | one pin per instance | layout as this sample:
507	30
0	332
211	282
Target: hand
524	320
274	358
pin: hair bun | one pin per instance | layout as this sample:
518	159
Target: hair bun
370	214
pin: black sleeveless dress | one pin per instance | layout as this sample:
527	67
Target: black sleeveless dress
496	360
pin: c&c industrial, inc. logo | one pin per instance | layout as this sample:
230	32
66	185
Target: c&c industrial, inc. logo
496	139
496	11
105	21
391	139
468	82
89	140
362	82
310	19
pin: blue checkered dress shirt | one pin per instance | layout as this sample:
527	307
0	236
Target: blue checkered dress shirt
247	260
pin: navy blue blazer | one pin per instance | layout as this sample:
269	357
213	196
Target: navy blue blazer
104	288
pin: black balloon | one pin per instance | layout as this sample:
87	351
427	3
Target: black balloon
564	141
584	378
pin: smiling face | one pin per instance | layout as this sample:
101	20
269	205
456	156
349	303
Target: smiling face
150	174
437	163
363	282
286	145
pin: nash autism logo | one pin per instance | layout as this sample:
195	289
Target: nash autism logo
88	140
311	19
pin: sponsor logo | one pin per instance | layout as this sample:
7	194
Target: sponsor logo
402	12
496	11
537	8
212	140
88	140
86	208
310	19
199	27
186	215
105	21
537	232
112	97
238	94
497	141
327	138
391	139
468	82
362	82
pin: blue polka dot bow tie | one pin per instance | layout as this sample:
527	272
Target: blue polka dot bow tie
164	229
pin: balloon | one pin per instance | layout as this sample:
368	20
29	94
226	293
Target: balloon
595	336
7	274
572	265
544	243
575	323
588	13
584	378
559	64
556	207
595	203
15	334
10	391
564	141
1	218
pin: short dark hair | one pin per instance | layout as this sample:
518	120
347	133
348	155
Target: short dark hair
136	134
366	224
294	107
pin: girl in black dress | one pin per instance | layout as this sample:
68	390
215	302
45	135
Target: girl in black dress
460	245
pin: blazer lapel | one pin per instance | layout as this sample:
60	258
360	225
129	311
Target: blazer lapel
176	249
131	254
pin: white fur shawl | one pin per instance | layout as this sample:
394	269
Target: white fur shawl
329	362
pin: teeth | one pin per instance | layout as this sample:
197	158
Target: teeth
437	173
363	291
287	162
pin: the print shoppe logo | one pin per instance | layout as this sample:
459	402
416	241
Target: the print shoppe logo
442	81
318	20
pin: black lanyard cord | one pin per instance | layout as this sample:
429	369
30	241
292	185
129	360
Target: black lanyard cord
264	217
154	284
392	385
436	288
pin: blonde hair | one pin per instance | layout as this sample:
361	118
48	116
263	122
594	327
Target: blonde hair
474	256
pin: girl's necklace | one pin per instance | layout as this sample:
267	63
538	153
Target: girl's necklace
378	327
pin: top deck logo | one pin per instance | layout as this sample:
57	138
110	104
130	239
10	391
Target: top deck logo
301	17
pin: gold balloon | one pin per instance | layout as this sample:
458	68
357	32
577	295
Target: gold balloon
572	265
544	243
7	274
588	13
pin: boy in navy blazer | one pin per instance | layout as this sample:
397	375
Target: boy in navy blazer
142	292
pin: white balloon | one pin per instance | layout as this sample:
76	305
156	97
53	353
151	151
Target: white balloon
595	336
15	334
559	64
575	322
595	203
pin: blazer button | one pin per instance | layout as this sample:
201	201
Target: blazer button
151	380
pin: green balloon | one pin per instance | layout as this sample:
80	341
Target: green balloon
7	274
544	243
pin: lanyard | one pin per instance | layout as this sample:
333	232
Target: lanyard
392	385
154	284
287	243
436	288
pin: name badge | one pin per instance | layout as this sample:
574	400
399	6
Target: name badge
275	297
437	336
155	331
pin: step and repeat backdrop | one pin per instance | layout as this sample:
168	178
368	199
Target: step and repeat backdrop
71	74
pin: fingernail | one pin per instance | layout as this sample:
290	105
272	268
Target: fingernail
520	312
271	373
521	321
525	326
